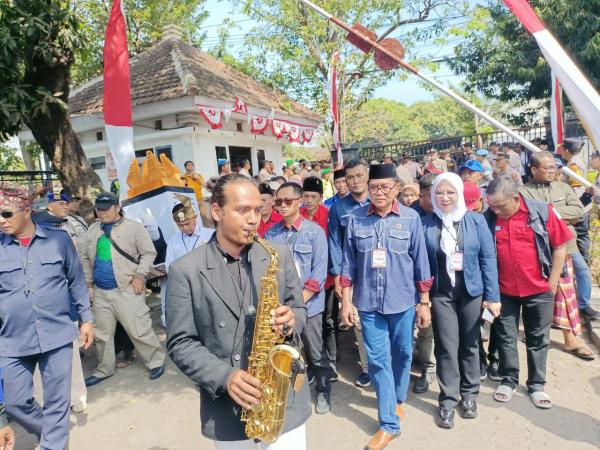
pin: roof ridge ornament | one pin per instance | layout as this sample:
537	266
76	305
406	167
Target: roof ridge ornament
172	31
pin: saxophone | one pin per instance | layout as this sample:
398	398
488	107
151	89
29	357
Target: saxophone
273	363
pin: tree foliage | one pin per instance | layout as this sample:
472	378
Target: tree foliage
145	22
501	60
291	47
37	42
380	120
10	159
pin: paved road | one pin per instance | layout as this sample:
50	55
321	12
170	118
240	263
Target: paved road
129	412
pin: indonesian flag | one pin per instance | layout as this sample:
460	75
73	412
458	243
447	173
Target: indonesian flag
117	95
556	113
581	93
334	107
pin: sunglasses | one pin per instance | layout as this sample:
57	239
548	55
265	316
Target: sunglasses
287	201
7	214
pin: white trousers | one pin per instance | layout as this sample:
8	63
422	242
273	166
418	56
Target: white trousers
292	440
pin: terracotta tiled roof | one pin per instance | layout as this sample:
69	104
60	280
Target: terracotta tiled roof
172	69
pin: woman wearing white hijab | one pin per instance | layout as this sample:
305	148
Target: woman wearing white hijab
463	263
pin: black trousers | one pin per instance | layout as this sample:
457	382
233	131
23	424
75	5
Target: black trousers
537	313
312	340
492	353
456	333
331	319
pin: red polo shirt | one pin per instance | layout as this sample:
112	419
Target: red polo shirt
519	271
264	226
322	218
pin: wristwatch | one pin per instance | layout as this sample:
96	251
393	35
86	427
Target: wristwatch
428	304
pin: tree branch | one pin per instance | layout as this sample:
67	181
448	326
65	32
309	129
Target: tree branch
311	45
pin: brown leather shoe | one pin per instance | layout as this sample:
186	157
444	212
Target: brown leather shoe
400	412
380	440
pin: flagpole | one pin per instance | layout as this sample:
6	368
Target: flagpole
394	56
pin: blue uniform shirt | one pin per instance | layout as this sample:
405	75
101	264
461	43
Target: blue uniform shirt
35	283
338	220
308	244
392	289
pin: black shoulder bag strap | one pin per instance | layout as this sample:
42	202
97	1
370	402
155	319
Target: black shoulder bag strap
122	252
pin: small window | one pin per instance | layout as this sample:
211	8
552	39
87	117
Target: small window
99	136
158	125
221	152
166	149
260	155
240	126
98	162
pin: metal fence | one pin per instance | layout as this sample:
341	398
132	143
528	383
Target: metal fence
33	179
417	149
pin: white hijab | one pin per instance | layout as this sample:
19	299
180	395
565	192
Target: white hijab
449	238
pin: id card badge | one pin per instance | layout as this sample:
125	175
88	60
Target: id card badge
379	260
456	261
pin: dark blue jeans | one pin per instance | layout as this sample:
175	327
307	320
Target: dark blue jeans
389	341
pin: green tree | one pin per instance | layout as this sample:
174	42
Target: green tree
10	159
145	22
291	47
380	120
501	60
37	41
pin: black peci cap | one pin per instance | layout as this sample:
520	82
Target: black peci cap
313	184
379	171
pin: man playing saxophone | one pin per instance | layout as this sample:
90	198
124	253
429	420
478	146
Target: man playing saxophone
212	299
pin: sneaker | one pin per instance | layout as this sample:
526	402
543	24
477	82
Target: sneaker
323	403
492	371
157	372
333	377
482	372
590	313
422	384
363	380
79	407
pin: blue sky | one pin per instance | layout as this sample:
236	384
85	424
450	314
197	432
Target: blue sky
408	91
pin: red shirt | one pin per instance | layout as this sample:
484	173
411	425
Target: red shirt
264	226
519	270
321	217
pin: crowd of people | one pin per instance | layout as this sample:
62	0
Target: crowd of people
445	255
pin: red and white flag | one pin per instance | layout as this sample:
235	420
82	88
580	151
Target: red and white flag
581	93
117	95
556	113
334	106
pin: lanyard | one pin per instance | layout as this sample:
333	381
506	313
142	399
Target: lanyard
185	246
452	235
379	232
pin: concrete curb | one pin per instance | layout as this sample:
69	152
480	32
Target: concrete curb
593	327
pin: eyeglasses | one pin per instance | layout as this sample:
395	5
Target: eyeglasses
7	214
287	201
384	188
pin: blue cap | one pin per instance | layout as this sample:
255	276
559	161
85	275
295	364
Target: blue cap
56	197
473	165
482	152
222	162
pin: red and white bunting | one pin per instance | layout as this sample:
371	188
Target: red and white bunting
307	134
258	125
213	116
240	106
295	133
280	127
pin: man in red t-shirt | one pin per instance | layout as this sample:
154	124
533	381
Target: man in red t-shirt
269	217
531	249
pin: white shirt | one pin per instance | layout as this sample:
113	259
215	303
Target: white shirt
181	244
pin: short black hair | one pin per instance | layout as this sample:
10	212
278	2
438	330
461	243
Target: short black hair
356	162
279	179
296	187
503	186
262	164
244	161
218	191
188	162
426	181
